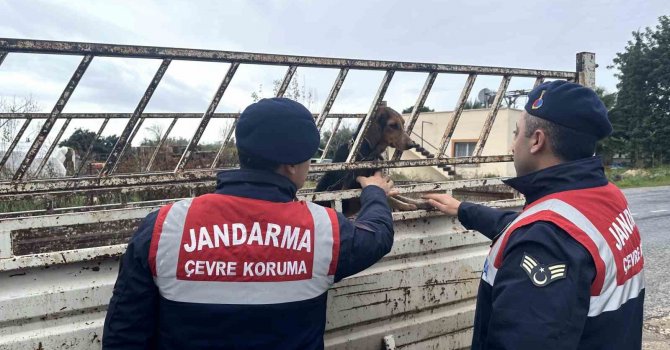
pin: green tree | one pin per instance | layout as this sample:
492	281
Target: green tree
611	146
641	114
342	136
81	139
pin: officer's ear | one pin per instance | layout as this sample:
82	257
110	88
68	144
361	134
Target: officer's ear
539	141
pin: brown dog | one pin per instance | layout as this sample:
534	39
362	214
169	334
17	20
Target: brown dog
387	128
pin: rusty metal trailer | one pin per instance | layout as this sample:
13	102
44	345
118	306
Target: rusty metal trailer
58	262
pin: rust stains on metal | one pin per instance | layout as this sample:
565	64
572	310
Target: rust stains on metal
460	105
383	86
488	124
124	141
287	80
15	141
417	108
205	118
331	98
154	115
109	50
55	112
330	139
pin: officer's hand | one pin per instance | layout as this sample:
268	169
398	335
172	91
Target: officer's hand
443	202
379	180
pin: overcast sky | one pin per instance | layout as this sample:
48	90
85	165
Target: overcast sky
524	34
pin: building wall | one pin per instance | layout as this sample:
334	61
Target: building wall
468	129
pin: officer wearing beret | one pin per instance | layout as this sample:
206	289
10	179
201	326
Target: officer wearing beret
248	266
567	271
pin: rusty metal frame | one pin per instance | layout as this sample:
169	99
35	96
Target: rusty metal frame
134	123
126	182
155	115
193	143
181	176
15	141
286	81
231	131
383	86
488	124
109	50
160	144
460	105
84	159
430	80
330	139
337	85
55	112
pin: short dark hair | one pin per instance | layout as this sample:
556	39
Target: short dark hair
567	144
248	161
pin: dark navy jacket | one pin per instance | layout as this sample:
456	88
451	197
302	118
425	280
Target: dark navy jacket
515	314
139	318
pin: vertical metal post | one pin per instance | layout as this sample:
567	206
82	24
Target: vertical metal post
460	105
370	116
330	139
122	143
286	81
417	109
492	116
223	145
321	119
538	82
3	55
206	117
160	144
55	112
586	69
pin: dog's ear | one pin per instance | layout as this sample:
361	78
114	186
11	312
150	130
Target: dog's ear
375	132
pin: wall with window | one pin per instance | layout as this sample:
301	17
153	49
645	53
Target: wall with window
463	141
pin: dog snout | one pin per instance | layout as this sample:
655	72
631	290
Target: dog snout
407	143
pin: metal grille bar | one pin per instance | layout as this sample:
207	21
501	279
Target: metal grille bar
124	140
49	123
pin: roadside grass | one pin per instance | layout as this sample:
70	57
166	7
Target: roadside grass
629	178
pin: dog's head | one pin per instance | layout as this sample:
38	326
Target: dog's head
388	129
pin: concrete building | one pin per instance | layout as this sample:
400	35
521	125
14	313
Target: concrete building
429	130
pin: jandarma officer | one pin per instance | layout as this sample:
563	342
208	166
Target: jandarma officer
248	266
567	272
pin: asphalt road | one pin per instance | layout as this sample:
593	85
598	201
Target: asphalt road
651	211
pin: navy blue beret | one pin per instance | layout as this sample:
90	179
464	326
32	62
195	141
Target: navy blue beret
570	105
277	129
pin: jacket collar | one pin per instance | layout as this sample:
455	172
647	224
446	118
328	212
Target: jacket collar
574	175
256	184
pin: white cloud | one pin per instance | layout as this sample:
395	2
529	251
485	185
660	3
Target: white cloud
528	34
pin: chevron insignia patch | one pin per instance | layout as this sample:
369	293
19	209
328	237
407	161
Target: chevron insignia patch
542	275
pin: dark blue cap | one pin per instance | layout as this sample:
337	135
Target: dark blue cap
570	105
278	130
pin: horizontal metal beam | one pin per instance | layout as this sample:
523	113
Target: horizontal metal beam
415	188
410	163
153	115
176	179
109	50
